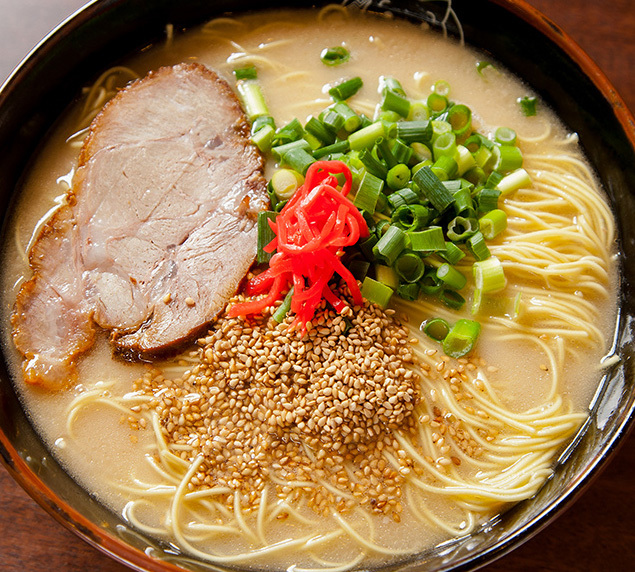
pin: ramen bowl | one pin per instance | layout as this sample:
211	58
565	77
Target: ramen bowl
109	30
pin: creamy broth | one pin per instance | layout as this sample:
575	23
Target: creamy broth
105	454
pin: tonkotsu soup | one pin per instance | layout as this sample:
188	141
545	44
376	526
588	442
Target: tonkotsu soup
377	429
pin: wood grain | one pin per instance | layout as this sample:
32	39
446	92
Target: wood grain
597	533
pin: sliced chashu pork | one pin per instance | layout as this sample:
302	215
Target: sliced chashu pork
159	229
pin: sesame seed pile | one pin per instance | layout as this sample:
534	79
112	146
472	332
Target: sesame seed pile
311	415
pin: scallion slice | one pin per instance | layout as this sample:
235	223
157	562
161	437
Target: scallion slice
409	267
398	176
461	228
428	240
369	190
252	99
415	131
346	89
430	284
265	235
335	56
451	277
366	136
433	189
476	245
461	338
492	223
489	276
284	308
285	182
528	105
376	292
390	245
436	328
510	158
452	299
514	181
505	136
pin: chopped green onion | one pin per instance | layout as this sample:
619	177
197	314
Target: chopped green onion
464	160
451	299
412	217
263	138
338	147
433	188
392	84
398	176
394	101
366	136
415	131
285	182
358	268
383	148
444	146
461	228
401	151
387	275
332	119
265	235
403	197
528	105
451	277
476	245
376	292
292	131
480	66
460	117
420	153
437	103
429	240
346	89
284	308
489	276
487	199
298	159
316	128
514	181
352	121
463	201
430	284
441	87
439	127
372	164
367	245
390	245
248	72
505	136
453	254
409	267
445	167
510	158
408	291
335	56
369	190
252	99
262	121
461	338
492	223
418	111
280	150
436	328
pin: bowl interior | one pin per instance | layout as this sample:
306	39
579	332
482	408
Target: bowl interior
38	92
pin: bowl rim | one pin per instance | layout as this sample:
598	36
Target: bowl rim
119	550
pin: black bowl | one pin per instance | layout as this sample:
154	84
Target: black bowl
106	31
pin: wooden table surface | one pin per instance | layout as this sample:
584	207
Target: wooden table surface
597	533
